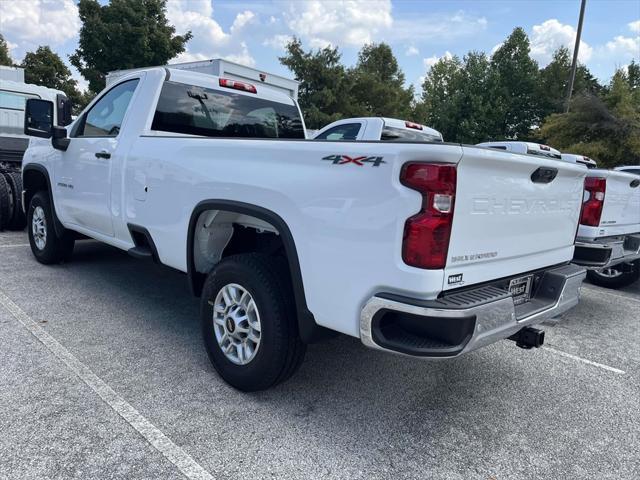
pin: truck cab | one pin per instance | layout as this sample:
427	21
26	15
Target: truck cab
376	129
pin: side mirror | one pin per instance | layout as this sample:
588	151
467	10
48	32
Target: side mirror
38	118
64	107
60	140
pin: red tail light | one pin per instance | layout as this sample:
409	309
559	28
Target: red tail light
427	234
245	87
594	189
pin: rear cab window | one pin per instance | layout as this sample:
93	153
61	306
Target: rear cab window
394	134
208	112
347	131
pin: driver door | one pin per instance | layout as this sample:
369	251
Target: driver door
83	171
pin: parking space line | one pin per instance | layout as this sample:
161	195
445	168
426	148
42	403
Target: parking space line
158	440
15	245
584	360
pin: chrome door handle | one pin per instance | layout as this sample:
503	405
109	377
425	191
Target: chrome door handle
103	154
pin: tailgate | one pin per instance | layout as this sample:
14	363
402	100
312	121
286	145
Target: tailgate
621	211
504	223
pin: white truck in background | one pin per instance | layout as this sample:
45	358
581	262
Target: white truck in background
429	250
608	241
377	128
220	67
14	93
608	238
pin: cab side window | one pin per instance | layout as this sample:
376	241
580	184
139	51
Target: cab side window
348	131
105	117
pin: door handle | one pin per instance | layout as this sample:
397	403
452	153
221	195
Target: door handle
103	154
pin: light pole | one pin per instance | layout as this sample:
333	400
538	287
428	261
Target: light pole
574	63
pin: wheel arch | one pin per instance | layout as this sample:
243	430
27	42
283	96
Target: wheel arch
35	178
309	330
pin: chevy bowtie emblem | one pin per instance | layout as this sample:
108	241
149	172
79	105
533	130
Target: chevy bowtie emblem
263	77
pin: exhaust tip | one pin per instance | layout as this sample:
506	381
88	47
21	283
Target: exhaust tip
528	338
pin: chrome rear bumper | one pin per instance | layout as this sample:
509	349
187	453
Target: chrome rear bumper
464	321
606	252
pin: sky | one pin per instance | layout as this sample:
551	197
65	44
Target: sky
419	31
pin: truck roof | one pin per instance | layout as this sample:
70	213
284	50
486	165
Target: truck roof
530	148
579	159
20	87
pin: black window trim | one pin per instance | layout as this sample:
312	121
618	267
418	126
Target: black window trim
80	122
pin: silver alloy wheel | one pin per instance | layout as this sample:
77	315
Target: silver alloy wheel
609	272
39	228
236	323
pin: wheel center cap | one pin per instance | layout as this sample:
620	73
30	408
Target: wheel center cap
230	324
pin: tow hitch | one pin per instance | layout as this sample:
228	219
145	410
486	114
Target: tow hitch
528	337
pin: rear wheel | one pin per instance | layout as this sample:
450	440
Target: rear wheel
46	245
6	203
617	276
18	219
249	323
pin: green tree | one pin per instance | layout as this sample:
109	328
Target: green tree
440	89
554	79
378	84
459	99
325	86
46	68
605	127
633	75
516	88
124	34
5	58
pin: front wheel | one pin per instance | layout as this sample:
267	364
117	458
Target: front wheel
617	276
46	246
249	323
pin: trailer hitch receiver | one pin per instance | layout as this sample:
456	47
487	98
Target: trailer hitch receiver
528	337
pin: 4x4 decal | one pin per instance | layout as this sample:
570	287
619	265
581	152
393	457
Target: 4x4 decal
360	161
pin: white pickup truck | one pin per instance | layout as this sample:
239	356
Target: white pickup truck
608	239
377	128
424	249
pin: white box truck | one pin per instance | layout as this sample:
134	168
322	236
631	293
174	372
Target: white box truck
227	69
14	93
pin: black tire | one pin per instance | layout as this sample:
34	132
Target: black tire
18	219
55	249
627	274
281	351
6	203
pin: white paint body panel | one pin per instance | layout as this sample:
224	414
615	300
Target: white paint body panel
347	221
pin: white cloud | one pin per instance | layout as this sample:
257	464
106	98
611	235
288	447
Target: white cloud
278	42
634	26
496	48
209	39
339	22
551	35
411	51
623	47
38	22
440	27
242	19
431	61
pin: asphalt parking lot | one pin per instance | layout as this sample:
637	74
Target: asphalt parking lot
103	375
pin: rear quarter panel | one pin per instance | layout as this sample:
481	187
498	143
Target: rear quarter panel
347	220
